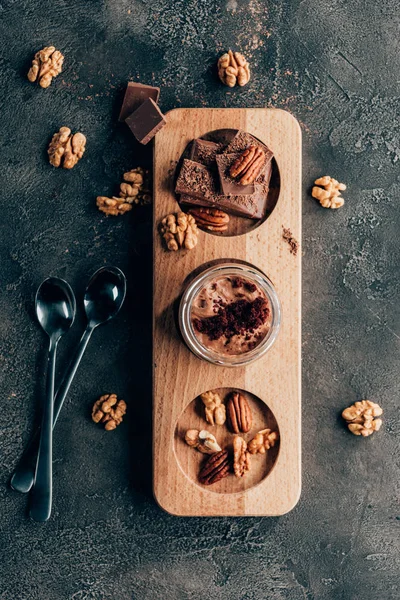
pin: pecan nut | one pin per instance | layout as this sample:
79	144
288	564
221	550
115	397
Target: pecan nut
248	165
241	457
239	413
215	468
211	219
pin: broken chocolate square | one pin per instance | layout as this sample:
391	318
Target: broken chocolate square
229	186
196	180
146	121
204	152
135	95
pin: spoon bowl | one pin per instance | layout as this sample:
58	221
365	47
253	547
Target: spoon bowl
104	295
55	306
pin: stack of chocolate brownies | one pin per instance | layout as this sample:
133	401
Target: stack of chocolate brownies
207	178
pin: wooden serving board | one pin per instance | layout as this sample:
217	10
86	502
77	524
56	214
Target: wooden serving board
179	376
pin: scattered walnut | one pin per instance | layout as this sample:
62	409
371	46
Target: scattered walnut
179	231
361	417
214	408
46	65
135	189
233	69
241	457
113	206
263	441
109	410
203	440
329	197
66	148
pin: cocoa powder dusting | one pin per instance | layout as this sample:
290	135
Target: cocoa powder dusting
238	318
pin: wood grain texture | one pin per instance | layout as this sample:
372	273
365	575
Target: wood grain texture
179	376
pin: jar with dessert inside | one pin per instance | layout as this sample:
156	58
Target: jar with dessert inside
230	314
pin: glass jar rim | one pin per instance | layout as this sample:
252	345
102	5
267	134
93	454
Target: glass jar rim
191	292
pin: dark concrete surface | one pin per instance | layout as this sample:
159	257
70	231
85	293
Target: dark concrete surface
335	65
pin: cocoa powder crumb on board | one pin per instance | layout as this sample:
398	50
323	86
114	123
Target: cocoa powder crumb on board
293	243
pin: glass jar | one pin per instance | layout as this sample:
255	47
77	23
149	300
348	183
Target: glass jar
234	270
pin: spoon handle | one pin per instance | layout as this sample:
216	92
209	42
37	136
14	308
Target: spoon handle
40	508
24	474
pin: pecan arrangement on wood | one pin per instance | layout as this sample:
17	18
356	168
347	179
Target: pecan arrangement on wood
215	468
248	165
239	413
210	219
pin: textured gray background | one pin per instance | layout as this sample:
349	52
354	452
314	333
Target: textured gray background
336	66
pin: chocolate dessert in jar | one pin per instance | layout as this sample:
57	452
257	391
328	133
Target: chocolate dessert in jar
230	314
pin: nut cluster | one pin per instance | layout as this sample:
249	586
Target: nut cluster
179	231
210	219
66	149
203	441
237	411
263	441
134	189
46	65
328	194
109	410
215	410
248	165
361	417
233	69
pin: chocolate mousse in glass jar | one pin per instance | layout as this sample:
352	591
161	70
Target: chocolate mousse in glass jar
230	314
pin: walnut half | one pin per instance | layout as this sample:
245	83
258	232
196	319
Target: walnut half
233	69
109	410
66	149
361	417
46	65
214	408
327	192
179	231
203	441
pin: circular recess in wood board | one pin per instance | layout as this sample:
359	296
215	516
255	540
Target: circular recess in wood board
190	459
237	225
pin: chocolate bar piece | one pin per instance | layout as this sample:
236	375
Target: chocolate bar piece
146	121
204	152
252	207
135	95
195	180
229	186
243	140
